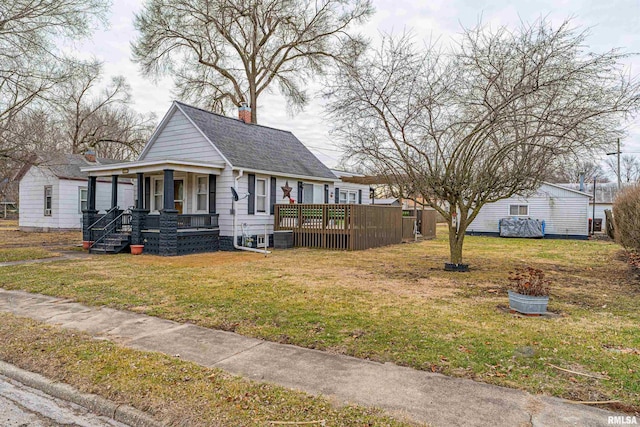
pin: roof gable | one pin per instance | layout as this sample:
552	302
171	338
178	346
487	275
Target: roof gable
64	165
178	138
256	147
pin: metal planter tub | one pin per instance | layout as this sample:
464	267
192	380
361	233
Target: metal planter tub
527	304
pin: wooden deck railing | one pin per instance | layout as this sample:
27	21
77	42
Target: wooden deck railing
340	226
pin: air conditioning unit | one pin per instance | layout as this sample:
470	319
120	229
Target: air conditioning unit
47	212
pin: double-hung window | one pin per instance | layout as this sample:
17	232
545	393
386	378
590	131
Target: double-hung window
48	199
158	194
202	190
261	195
82	199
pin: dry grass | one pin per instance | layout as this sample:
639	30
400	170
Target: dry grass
22	254
11	237
394	304
175	392
8	224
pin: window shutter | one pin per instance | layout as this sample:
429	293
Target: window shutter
252	194
336	194
147	193
326	193
272	195
212	193
359	197
299	191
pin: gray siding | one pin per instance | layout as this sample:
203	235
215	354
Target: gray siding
180	140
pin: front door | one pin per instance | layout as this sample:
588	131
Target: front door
178	195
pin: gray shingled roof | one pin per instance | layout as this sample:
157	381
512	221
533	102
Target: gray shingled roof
68	165
257	147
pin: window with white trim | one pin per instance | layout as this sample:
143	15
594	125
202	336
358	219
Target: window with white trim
261	195
82	199
158	194
202	193
48	199
347	196
519	210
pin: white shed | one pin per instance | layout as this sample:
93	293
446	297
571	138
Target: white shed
53	193
564	211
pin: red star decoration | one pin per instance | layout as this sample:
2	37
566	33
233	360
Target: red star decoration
286	191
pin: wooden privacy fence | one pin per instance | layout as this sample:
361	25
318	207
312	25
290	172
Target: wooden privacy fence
340	226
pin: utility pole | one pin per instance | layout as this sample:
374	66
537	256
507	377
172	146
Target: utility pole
618	152
619	172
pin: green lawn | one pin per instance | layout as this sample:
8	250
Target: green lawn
395	304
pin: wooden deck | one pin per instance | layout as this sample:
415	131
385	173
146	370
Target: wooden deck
340	226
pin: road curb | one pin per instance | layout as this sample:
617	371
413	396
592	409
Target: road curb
122	413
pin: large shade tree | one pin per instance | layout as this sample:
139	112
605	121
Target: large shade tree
481	121
229	52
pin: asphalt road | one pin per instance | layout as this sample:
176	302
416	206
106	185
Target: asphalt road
22	406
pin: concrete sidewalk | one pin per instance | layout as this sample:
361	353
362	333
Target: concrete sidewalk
425	397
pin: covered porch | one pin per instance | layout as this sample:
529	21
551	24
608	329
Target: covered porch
174	212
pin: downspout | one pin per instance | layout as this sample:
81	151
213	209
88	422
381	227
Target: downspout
235	223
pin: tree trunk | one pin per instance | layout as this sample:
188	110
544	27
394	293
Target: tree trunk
456	239
457	228
253	103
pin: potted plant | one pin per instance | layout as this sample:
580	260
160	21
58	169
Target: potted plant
530	291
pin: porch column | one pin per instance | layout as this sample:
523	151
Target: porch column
168	189
91	194
90	214
114	191
168	238
140	185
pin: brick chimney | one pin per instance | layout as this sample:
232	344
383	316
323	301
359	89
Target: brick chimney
244	112
90	156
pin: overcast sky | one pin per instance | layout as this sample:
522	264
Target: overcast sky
613	23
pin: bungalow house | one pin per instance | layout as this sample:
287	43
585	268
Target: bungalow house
53	192
209	182
565	212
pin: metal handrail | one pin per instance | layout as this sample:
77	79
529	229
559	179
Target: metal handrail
102	217
107	230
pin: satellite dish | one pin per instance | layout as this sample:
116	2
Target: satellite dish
234	194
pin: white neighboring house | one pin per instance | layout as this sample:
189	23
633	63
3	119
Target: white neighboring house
606	193
53	192
565	212
350	192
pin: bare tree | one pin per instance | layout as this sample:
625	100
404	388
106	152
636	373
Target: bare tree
482	121
223	52
570	170
103	121
629	168
30	63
